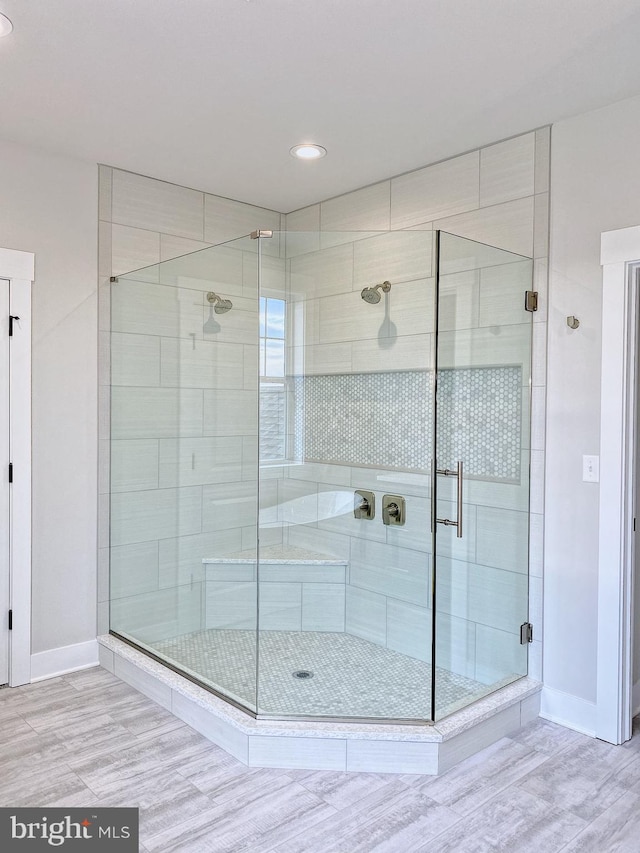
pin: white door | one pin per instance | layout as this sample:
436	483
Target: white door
5	527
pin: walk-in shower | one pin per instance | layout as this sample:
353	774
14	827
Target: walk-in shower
321	509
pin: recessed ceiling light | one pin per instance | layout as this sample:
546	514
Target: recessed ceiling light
308	151
5	25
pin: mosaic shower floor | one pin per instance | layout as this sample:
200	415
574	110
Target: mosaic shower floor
351	676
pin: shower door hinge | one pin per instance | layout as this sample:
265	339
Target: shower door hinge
531	300
11	620
113	279
526	633
255	235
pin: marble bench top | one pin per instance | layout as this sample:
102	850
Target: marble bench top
280	555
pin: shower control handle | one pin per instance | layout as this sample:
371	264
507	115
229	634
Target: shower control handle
364	504
394	510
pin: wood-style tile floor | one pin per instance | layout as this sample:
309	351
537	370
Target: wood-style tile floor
87	739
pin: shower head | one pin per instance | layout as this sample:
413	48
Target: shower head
372	295
221	306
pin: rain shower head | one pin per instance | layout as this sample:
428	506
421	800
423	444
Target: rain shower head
372	295
220	305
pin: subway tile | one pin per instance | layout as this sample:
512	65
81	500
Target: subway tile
397	256
225	219
134	249
156	412
367	209
145	683
502	292
319	359
540	285
156	616
214	728
499	655
142	202
230	413
366	615
227	505
502	538
280	606
416	531
303	753
134	465
105	178
175	247
297	501
133	569
409	629
180	558
458	301
194	461
508	226
536	544
201	364
335	513
217	268
322	273
441	190
323	607
543	159
401	352
482	348
135	360
455	645
318	541
144	516
231	604
383	756
507	170
144	308
541	226
306	222
396	572
538	417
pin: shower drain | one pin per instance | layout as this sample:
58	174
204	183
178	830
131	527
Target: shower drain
302	673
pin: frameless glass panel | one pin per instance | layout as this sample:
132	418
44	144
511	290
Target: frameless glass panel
184	489
344	600
482	425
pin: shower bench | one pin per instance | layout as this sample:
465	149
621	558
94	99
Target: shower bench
298	590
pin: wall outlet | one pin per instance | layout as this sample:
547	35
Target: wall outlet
591	469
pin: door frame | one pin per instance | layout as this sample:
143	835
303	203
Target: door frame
18	268
620	259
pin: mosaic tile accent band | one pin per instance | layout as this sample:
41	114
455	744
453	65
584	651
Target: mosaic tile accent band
386	420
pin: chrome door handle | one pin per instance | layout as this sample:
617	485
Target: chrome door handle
457	523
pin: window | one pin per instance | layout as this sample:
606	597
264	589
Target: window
272	380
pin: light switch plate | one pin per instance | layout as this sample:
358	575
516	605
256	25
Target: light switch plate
591	469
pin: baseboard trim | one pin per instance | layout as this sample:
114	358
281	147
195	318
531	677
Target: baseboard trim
567	710
65	659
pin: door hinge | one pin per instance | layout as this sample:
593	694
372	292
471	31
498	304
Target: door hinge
531	300
11	472
11	620
526	633
12	317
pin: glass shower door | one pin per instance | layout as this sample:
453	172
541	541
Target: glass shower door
481	486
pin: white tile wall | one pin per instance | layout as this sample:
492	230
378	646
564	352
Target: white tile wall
441	190
199	461
133	249
507	170
225	219
201	364
155	514
134	465
508	226
366	615
142	202
157	413
135	360
367	209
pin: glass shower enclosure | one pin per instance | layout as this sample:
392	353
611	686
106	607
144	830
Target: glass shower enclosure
320	451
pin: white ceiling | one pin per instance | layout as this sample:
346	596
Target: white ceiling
213	93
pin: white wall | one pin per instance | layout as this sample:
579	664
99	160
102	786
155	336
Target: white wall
48	205
595	182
